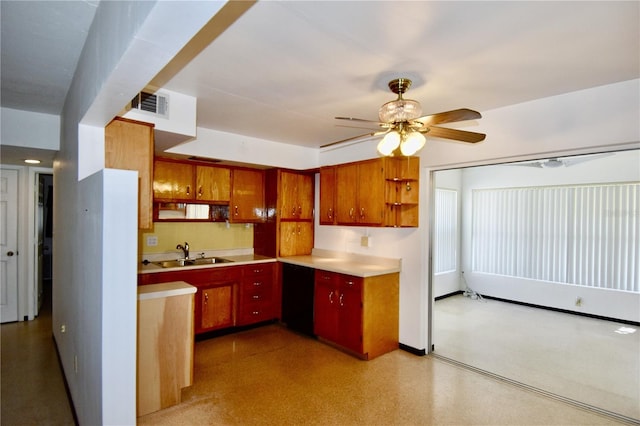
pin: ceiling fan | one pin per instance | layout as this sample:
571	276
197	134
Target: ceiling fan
404	128
558	162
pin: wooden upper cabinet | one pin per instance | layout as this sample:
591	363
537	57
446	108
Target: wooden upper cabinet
360	193
213	184
247	196
172	181
378	192
327	195
296	238
346	193
129	146
296	196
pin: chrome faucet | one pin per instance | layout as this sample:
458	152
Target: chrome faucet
185	249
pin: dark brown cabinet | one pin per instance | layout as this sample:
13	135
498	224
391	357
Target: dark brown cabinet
360	315
258	294
227	296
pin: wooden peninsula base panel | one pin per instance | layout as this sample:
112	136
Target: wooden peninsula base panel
165	344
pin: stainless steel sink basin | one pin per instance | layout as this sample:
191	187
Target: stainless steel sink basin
192	262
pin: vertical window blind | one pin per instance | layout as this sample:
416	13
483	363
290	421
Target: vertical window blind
584	234
446	231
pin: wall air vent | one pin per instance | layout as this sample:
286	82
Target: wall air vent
149	102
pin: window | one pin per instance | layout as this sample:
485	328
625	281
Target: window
446	231
585	234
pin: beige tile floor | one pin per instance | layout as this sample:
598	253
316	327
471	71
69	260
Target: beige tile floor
272	376
577	357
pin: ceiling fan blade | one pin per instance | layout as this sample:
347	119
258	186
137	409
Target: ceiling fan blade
359	119
455	134
461	114
353	138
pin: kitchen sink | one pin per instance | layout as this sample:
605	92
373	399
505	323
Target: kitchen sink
192	262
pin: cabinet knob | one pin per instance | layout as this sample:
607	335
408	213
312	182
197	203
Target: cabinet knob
200	191
351	210
9	253
255	297
235	210
331	297
362	213
188	190
255	313
342	299
257	284
330	214
293	211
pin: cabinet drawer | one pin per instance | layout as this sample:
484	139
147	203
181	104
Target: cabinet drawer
256	293
256	312
258	270
219	274
349	281
325	277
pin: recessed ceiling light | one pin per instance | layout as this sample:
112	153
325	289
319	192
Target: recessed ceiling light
30	161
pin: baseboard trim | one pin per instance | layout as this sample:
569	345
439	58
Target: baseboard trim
412	350
564	311
444	296
66	384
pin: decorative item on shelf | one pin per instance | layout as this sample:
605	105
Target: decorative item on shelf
403	126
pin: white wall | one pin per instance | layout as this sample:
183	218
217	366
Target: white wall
621	167
30	129
599	119
244	149
94	291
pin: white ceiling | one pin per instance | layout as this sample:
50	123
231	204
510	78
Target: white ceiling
284	70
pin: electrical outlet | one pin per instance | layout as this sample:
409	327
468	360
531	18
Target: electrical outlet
152	241
366	241
63	328
578	301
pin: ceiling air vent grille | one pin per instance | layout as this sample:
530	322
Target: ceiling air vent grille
149	102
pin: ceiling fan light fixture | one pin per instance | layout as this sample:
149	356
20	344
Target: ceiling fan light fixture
389	143
412	143
399	110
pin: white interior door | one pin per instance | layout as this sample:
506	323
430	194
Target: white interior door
8	245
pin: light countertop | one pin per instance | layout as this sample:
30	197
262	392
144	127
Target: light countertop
345	263
156	291
236	260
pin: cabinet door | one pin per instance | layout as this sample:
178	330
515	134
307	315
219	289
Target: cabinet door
129	146
288	195
247	196
325	306
350	318
327	195
305	196
370	198
217	307
346	190
296	238
172	181
213	184
296	195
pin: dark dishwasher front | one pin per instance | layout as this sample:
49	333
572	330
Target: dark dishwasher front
297	298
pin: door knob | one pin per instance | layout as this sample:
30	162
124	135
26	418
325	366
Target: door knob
9	253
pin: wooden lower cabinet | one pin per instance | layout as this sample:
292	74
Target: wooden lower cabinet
358	314
227	296
258	294
216	307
